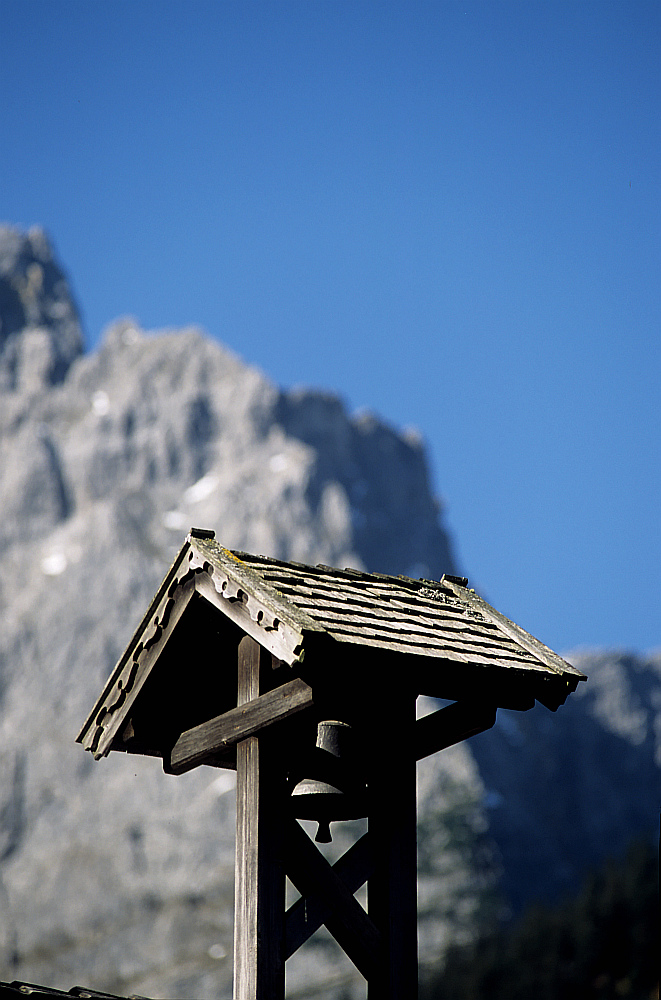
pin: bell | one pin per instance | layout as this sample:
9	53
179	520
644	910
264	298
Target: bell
335	793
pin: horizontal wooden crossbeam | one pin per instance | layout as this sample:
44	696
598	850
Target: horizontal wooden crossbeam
225	731
451	725
314	876
432	733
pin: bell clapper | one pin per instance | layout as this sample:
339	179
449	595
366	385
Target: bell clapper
324	835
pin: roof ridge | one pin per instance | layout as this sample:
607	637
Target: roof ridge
348	571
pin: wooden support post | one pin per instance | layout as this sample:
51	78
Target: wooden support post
392	889
259	906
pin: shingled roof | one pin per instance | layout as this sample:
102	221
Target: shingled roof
422	617
439	634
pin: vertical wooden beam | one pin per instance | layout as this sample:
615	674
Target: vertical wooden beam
259	895
392	889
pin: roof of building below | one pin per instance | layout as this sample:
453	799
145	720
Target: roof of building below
19	989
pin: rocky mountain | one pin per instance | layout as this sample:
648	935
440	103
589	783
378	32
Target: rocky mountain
120	877
40	331
564	792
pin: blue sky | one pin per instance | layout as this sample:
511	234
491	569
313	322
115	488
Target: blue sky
447	212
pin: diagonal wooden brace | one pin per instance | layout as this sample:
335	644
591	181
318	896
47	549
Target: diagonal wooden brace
451	725
345	918
307	914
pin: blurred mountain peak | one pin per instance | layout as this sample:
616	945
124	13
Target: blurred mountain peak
40	331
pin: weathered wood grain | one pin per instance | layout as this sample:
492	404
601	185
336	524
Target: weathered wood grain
410	644
251	719
528	642
259	963
462	633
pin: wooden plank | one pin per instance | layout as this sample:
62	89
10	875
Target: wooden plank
345	918
436	621
113	709
253	583
305	587
266	566
308	913
392	889
337	602
398	593
458	631
373	639
284	642
259	906
273	569
451	725
313	601
423	608
251	719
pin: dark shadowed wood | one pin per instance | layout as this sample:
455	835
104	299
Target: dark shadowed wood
345	918
307	914
223	732
451	725
259	963
392	889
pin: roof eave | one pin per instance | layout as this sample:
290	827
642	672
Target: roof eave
170	577
548	657
204	567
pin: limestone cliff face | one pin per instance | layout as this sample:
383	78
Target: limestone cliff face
120	877
39	326
566	791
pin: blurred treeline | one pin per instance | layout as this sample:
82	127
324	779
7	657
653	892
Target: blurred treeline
602	944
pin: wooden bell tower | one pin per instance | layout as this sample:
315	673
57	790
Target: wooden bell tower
238	660
271	845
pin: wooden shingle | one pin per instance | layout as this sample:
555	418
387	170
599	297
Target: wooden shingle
324	625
